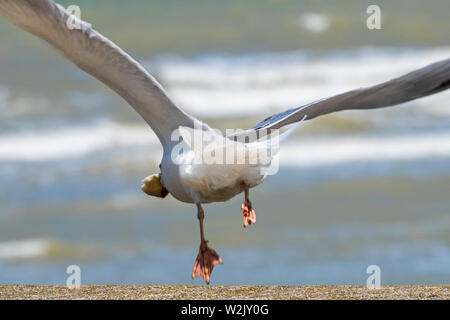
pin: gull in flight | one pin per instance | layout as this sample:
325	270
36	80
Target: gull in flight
181	175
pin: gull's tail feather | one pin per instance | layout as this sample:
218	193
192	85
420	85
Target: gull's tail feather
259	152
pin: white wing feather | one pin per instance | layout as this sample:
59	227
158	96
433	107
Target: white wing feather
100	57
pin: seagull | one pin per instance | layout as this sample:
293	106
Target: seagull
181	174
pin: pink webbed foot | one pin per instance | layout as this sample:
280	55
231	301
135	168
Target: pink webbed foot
207	259
248	214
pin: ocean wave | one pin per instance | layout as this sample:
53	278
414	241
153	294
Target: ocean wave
215	86
48	249
328	151
233	85
23	249
300	151
314	22
73	142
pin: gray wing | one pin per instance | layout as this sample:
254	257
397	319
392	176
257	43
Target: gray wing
416	84
100	57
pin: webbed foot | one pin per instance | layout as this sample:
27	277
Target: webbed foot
248	214
207	259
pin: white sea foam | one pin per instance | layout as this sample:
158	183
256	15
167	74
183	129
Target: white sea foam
314	22
73	142
329	151
306	151
230	85
23	249
217	86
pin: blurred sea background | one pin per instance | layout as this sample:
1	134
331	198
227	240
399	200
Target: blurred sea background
356	188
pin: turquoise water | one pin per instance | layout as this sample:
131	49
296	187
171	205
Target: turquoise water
354	189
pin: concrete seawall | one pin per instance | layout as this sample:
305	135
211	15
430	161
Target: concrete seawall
223	292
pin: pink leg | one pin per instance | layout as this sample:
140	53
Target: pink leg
248	214
207	257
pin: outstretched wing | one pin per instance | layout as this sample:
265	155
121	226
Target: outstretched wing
100	57
416	84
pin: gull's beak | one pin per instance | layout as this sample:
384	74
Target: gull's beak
153	187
